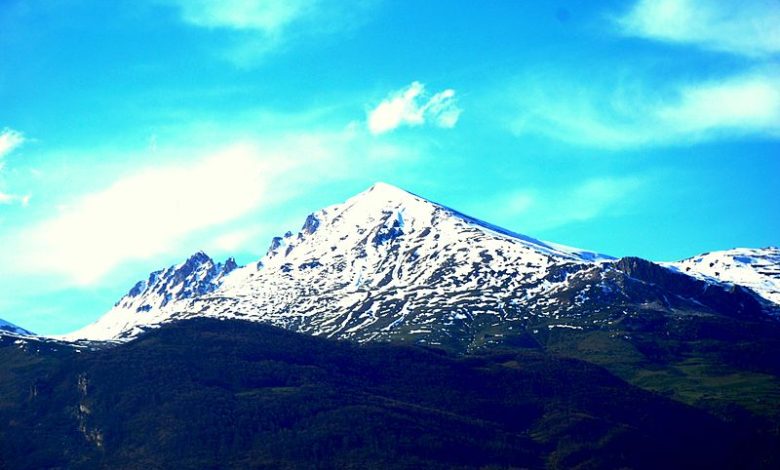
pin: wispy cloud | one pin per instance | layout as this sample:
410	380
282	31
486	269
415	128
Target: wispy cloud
538	209
632	115
742	105
143	214
211	195
10	140
14	199
260	27
625	110
264	15
412	106
746	27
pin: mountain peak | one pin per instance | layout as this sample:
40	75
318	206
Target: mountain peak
384	192
386	188
199	257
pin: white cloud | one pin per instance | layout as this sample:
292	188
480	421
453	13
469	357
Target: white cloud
264	26
595	197
746	27
539	209
146	213
10	140
14	198
635	115
202	201
263	15
412	106
743	104
519	202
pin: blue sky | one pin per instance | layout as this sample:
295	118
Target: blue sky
133	134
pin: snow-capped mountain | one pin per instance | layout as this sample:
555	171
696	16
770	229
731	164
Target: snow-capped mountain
385	256
148	299
756	268
390	265
7	327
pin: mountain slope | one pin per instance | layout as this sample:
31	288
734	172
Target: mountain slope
147	300
231	394
758	269
7	327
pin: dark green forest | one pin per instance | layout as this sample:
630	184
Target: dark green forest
232	394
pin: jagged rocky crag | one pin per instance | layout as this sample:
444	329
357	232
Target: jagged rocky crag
148	299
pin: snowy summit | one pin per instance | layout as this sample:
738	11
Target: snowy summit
386	263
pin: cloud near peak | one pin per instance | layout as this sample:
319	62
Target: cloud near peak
543	208
413	106
142	214
212	195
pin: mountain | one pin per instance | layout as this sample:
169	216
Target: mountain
234	394
148	299
758	269
469	345
399	250
7	327
390	265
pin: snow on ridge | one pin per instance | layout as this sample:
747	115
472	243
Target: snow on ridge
755	268
8	327
389	193
146	302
